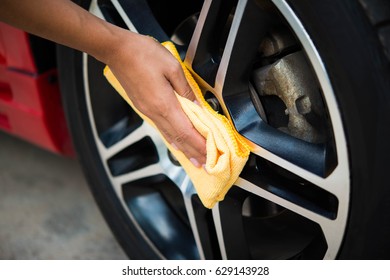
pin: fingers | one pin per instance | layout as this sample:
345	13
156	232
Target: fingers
175	126
178	81
182	87
178	130
163	108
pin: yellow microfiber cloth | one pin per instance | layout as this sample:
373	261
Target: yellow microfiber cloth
227	151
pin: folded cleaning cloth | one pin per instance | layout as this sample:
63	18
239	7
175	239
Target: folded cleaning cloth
226	150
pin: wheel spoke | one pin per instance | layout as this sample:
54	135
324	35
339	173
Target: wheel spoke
247	121
130	139
249	26
332	228
189	189
119	12
323	196
219	231
96	10
252	188
145	172
334	183
230	229
204	44
239	38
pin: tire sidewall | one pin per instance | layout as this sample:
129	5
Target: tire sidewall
359	74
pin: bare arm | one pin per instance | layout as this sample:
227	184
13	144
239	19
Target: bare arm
146	70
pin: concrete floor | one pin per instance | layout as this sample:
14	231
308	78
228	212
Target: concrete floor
46	209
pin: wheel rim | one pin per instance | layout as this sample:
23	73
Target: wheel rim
291	200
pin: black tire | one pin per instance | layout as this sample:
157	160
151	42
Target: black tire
322	193
354	55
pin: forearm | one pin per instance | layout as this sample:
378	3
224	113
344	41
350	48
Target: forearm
64	22
145	69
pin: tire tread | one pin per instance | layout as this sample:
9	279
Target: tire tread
378	12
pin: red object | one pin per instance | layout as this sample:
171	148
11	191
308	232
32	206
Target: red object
30	102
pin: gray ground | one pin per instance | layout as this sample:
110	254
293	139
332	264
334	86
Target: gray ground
46	209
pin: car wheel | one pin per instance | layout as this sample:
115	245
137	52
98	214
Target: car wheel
306	82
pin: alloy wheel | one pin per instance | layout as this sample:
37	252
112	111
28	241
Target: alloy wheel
256	64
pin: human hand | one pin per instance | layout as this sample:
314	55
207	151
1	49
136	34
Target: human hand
150	74
146	70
